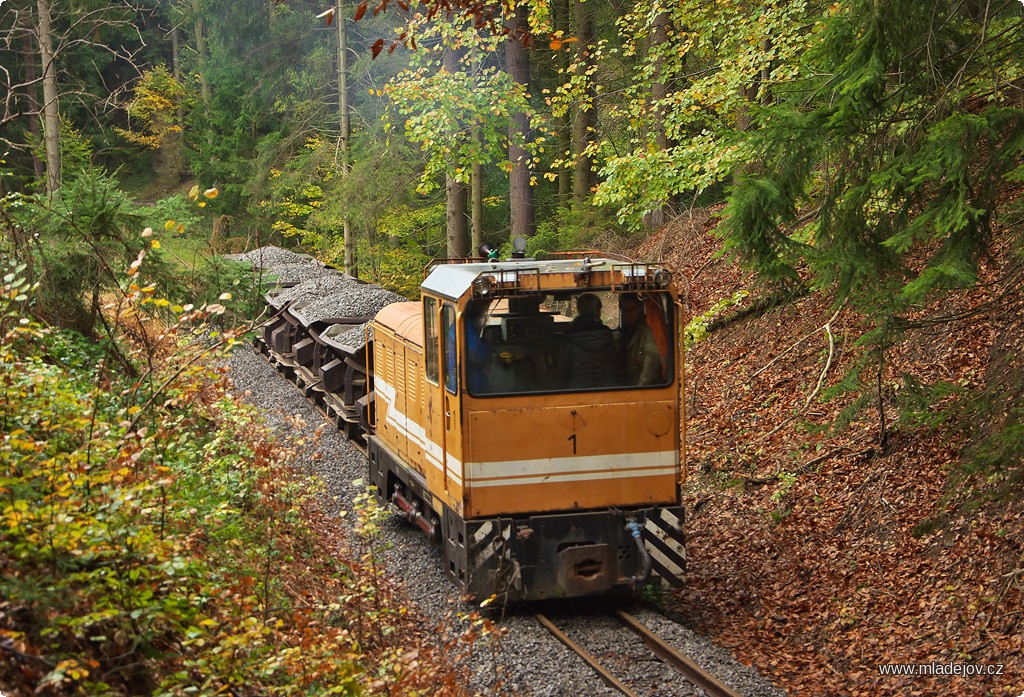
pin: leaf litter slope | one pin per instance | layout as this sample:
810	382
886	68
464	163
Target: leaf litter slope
815	555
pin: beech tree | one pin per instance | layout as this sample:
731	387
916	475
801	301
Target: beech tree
583	178
455	189
517	58
461	116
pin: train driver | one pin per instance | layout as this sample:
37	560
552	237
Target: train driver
641	360
588	345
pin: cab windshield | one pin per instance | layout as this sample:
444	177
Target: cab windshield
579	341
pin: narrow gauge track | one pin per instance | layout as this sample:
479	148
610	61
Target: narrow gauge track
692	672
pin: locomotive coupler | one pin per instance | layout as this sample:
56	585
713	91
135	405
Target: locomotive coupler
412	514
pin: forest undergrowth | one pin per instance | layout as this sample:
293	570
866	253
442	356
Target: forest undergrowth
817	552
153	539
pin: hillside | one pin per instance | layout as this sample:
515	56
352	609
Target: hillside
817	554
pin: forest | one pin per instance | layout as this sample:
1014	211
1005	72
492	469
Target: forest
837	184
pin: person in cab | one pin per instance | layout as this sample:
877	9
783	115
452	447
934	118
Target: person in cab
589	346
641	362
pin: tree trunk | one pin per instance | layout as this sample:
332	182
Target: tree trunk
455	190
175	53
748	94
583	134
51	114
32	93
344	131
477	213
200	29
455	207
563	124
520	193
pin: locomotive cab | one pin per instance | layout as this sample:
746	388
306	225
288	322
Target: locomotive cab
528	414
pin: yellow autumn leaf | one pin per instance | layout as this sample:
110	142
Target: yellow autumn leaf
155	244
212	192
169	225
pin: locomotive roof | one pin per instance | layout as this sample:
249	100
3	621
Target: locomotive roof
453	280
404	319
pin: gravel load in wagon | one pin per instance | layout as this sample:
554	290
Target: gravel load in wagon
312	289
346	335
268	256
295	273
357	300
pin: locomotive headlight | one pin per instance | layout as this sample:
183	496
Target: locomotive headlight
663	277
482	286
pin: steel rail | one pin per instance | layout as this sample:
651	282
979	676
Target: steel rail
690	670
602	672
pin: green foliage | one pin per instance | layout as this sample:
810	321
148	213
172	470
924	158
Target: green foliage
884	155
696	330
293	198
84	236
75	150
177	208
579	228
101	535
900	160
442	111
150	533
397	268
718	66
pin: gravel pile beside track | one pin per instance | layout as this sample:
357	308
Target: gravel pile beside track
528	659
357	300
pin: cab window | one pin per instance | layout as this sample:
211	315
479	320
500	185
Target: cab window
430	339
569	342
450	348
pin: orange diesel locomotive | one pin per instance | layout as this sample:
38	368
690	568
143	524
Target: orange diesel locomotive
527	415
524	413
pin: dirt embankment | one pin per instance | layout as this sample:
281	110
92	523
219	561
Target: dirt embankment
816	554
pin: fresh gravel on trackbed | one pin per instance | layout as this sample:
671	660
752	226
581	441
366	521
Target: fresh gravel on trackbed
526	660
